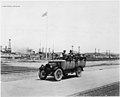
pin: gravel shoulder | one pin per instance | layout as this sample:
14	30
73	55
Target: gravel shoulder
106	90
18	76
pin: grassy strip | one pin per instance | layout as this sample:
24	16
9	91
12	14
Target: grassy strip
107	90
5	69
104	64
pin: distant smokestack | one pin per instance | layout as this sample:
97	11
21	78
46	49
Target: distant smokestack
6	48
72	47
49	50
53	48
9	46
9	43
42	49
106	52
95	50
79	49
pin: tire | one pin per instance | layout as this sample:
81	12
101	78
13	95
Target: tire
58	74
79	72
42	74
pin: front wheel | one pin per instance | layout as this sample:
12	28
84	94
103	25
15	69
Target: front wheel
79	72
58	74
42	74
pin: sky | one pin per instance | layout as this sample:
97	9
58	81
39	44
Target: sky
88	24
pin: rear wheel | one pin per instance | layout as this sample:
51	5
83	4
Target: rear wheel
58	74
42	74
79	72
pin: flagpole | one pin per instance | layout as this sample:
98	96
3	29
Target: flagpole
46	32
46	14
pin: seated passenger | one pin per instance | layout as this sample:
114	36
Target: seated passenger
76	57
80	57
84	57
70	56
64	55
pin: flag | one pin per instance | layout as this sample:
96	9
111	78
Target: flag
45	14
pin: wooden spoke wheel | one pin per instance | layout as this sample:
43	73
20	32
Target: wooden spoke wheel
42	74
78	72
58	74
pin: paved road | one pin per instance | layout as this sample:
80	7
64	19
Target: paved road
35	87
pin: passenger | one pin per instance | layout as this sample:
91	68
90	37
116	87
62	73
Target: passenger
84	57
80	57
64	55
70	56
76	57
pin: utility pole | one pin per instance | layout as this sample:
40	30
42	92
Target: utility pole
106	52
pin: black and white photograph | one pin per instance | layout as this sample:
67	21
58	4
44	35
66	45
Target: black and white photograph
60	48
